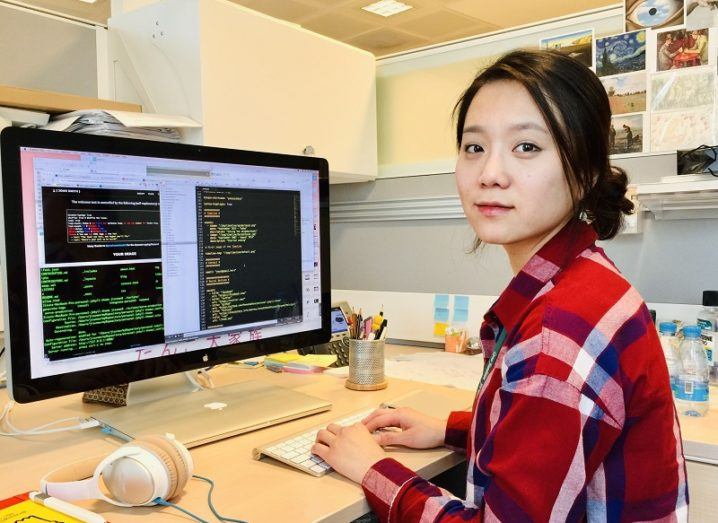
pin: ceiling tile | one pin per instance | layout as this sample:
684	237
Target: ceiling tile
437	24
331	3
337	26
511	13
290	10
354	10
386	41
474	30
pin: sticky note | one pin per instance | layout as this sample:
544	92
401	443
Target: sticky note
441	301
461	302
461	315
441	315
440	329
283	357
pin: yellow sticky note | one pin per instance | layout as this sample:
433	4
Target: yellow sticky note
318	360
283	357
440	328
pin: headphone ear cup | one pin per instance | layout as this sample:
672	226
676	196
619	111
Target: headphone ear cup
131	481
181	459
146	443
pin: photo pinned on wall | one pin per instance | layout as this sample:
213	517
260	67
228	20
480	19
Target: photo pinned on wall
701	13
642	14
680	48
626	134
626	93
682	90
682	129
622	53
578	45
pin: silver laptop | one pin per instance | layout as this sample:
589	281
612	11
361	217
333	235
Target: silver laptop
208	415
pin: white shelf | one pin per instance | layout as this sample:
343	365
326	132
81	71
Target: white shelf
693	199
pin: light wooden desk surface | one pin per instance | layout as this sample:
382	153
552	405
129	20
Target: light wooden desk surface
265	490
256	491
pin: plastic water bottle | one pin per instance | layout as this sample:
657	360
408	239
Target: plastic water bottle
707	320
667	335
692	384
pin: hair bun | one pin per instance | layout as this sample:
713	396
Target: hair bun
606	203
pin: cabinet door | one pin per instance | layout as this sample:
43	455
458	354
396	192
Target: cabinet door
269	85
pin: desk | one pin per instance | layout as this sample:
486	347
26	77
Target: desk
261	491
257	491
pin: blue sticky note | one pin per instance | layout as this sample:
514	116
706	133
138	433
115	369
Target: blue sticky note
441	301
441	315
461	302
461	315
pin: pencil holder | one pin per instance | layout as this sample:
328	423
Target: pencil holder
366	365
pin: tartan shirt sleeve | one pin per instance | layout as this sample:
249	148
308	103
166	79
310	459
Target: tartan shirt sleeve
457	430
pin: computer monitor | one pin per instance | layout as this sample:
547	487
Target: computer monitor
130	259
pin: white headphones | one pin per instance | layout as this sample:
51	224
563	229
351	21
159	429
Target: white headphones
137	473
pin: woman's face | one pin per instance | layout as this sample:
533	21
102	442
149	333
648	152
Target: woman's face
509	173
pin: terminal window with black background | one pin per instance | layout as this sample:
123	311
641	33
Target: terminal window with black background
99	307
249	256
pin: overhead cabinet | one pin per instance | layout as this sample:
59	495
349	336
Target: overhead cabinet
254	82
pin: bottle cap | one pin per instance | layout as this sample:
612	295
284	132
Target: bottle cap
668	327
710	298
691	331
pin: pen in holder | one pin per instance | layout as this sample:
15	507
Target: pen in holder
366	365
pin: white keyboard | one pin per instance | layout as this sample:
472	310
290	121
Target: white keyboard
294	450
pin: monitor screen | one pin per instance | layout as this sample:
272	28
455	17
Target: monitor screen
130	259
339	322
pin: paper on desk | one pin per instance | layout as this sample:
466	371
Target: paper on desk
317	360
440	368
126	118
131	119
283	357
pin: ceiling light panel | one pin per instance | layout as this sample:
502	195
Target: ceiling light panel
387	8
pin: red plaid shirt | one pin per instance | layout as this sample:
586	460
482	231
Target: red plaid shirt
575	421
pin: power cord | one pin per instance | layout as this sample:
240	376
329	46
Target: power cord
211	505
165	503
82	423
3	372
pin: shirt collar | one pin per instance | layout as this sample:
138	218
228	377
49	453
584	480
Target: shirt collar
551	259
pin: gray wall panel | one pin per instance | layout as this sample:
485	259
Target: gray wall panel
415	256
671	261
39	52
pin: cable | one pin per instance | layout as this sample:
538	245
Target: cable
3	373
164	503
211	505
82	423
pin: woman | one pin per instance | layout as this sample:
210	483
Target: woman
574	418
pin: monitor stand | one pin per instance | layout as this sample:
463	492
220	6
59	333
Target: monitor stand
171	404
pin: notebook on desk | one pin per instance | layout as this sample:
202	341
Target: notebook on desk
212	414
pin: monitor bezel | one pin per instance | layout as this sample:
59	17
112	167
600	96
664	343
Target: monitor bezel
21	386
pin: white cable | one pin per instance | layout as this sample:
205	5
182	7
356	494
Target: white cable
205	374
42	429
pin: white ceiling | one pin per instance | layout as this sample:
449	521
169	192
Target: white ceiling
428	22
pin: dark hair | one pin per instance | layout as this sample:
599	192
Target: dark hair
575	106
